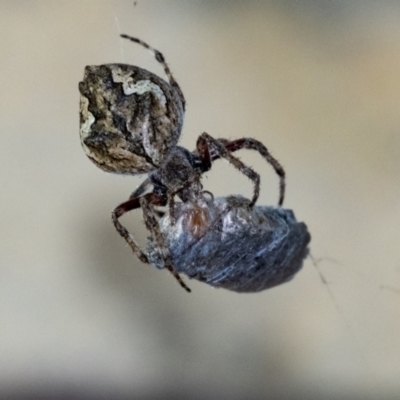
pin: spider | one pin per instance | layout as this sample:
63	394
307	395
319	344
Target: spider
130	123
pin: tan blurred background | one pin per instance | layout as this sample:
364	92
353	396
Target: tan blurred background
319	83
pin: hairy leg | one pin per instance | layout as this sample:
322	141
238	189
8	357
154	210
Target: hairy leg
150	219
253	144
118	212
211	149
160	58
248	144
138	192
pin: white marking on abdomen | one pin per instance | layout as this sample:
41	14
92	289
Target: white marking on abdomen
129	86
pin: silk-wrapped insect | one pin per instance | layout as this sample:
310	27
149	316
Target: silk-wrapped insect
228	244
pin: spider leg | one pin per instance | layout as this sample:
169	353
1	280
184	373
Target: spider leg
147	203
118	212
140	189
210	149
252	144
160	58
171	206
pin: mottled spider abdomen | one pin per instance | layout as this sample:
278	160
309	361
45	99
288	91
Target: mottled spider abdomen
226	244
130	119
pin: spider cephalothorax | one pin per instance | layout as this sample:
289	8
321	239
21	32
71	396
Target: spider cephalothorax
130	123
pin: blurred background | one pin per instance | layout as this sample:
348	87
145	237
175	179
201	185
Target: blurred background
318	82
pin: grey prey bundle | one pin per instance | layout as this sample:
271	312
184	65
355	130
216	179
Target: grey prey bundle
227	244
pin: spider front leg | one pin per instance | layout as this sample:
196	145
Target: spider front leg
118	212
147	203
141	189
253	144
207	144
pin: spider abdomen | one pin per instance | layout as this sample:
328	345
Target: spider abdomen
130	118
